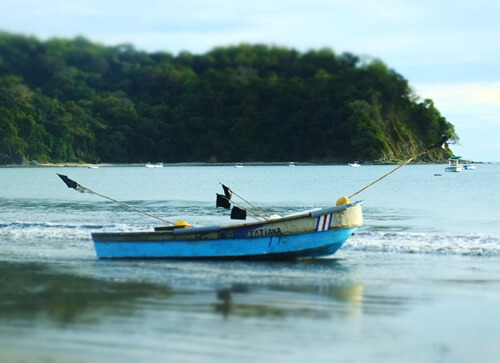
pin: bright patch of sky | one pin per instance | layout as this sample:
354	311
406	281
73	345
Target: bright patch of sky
448	50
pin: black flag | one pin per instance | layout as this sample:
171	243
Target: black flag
238	213
73	184
70	183
222	201
227	191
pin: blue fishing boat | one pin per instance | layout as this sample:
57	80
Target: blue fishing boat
313	233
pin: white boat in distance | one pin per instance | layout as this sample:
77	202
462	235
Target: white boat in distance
355	164
454	164
468	165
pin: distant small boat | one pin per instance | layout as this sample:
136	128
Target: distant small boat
239	165
157	165
355	164
454	164
291	164
468	166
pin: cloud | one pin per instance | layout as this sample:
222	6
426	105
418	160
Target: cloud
483	98
396	29
474	109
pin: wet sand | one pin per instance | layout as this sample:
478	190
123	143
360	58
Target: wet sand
357	307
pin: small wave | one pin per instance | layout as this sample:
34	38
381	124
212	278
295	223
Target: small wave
425	243
43	225
370	241
40	230
50	230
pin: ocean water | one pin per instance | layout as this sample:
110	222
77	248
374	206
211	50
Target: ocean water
419	282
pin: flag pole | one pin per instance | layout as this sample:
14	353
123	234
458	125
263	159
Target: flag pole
80	188
262	213
441	144
254	214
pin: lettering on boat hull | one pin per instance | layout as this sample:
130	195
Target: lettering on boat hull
265	232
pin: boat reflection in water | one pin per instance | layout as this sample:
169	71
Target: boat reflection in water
236	301
34	291
112	310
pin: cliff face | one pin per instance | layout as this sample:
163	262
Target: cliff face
73	100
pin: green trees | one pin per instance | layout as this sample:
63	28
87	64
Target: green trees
73	100
19	133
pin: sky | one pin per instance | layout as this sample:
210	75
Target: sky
448	50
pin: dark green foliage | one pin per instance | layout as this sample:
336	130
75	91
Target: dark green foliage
73	100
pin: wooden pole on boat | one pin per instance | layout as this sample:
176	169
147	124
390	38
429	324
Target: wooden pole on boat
253	213
440	144
260	212
80	188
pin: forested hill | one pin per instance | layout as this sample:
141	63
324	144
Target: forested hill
77	101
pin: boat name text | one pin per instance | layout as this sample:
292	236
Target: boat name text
264	232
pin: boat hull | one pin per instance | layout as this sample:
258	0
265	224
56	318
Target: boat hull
313	234
272	247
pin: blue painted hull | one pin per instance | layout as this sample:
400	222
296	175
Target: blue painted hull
315	244
314	233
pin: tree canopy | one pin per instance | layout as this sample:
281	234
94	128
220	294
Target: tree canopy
77	101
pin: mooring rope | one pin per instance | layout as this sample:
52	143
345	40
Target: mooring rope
389	173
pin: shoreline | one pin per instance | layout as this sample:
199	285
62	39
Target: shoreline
255	163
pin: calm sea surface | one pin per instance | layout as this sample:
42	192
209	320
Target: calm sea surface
419	282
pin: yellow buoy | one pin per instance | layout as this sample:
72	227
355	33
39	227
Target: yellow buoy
183	224
343	200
